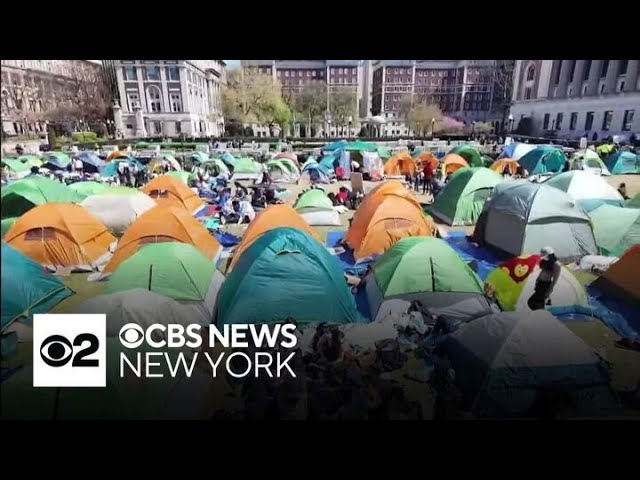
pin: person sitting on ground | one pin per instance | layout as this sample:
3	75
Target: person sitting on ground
550	269
258	199
334	200
622	190
245	210
343	196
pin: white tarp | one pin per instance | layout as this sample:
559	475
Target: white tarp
345	163
373	164
118	212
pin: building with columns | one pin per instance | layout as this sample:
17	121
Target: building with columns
463	89
31	89
574	98
169	97
339	76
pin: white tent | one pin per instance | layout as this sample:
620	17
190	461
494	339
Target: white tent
118	212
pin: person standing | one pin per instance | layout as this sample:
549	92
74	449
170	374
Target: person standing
79	166
427	172
550	269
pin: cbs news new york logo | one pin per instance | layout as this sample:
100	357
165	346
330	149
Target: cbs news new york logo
69	350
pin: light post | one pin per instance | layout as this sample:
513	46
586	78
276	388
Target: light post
349	121
433	125
510	123
328	120
473	129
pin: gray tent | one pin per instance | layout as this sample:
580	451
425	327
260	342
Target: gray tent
519	364
522	217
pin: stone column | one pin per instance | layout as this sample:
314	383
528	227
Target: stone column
594	77
117	118
565	71
164	89
578	73
552	83
631	79
141	130
611	79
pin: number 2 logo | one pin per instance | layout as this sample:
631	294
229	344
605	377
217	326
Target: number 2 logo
57	351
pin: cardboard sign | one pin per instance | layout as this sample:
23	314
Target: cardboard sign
357	184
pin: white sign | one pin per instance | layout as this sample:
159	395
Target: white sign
583	143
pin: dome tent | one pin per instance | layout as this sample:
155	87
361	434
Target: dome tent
176	270
523	217
164	224
61	235
590	162
616	229
247	169
316	208
86	189
510	164
452	162
623	162
272	217
23	195
470	154
516	150
621	279
425	269
169	191
506	363
461	201
543	159
514	282
588	190
312	171
118	212
26	287
280	172
400	164
286	273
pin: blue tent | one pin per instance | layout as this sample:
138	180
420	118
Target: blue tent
111	168
315	172
623	162
91	162
516	150
56	160
339	145
27	288
227	158
511	364
327	162
286	273
543	159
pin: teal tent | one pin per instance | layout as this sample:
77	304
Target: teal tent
339	145
111	168
360	146
462	199
623	162
542	160
470	154
199	157
56	160
27	287
286	273
228	158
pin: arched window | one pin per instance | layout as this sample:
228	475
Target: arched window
154	98
531	72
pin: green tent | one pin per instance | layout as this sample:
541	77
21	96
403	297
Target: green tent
543	159
290	164
314	198
86	189
199	157
590	161
119	190
16	165
21	196
218	163
286	273
487	161
7	223
463	198
423	264
181	175
615	228
32	160
27	288
59	159
623	162
634	202
176	270
360	146
227	158
470	154
246	165
385	153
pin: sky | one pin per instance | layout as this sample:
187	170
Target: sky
232	63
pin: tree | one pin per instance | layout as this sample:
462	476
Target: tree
502	78
449	125
277	112
20	102
249	96
342	105
310	104
420	115
482	128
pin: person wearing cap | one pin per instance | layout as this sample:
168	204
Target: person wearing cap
550	269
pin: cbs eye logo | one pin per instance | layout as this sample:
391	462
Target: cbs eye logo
69	350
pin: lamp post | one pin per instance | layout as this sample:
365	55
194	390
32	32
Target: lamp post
349	121
433	126
510	123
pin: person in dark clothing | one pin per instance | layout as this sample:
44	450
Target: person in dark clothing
567	166
427	172
622	190
334	200
550	269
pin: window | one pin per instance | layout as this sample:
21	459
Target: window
178	127
133	99
627	121
300	73
314	73
158	193
573	121
129	73
308	73
531	72
299	81
176	102
129	126
622	67
153	97
559	121
153	73
527	93
545	122
606	121
587	69
40	234
588	122
605	68
286	73
173	74
557	78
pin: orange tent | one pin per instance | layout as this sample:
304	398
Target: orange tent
363	214
60	234
170	191
429	157
392	218
275	216
164	224
116	154
453	162
400	164
509	163
621	278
